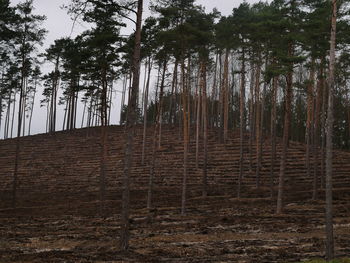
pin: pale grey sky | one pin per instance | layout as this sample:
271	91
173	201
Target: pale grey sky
59	25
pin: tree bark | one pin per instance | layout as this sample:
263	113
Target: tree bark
161	95
309	120
212	119
185	136
251	116
225	96
257	125
287	117
198	113
329	147
145	105
242	124
130	127
205	127
173	95
273	132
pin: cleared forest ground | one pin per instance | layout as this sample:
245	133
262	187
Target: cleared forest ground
218	228
215	229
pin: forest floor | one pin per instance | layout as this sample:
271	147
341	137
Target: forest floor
214	229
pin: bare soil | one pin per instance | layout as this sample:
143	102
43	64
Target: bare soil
215	229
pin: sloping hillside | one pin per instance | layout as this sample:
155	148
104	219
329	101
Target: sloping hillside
58	216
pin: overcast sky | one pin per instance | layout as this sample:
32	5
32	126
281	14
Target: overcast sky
59	25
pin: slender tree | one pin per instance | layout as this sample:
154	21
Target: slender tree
329	148
130	126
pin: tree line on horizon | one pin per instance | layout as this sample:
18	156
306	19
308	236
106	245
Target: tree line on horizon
88	69
262	70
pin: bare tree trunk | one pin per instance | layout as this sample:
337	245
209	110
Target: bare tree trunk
316	136
83	117
185	135
214	93
198	114
32	109
125	81
323	132
130	127
262	107
161	93
251	116
154	150
145	105
205	127
287	116
257	125
7	120
65	116
242	125
19	123
13	112
226	96
309	131
173	95
7	117
24	103
109	103
329	147
273	132
220	108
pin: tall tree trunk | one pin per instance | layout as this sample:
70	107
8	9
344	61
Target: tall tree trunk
323	131
19	123
241	125
251	116
24	105
198	113
316	135
203	85
65	116
14	110
287	116
262	121
161	95
31	108
7	120
310	119
172	112
122	102
154	149
257	125
214	94
145	105
220	107
130	126
329	147
104	118
226	95
273	132
185	136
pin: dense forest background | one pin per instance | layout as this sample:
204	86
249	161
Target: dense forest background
257	48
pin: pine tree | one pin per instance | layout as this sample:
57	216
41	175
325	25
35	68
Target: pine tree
29	35
330	120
